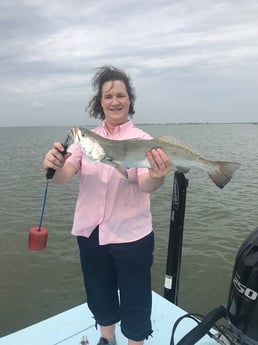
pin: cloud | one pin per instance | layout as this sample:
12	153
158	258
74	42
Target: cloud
37	104
50	48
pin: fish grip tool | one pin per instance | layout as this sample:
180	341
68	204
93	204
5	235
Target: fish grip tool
38	235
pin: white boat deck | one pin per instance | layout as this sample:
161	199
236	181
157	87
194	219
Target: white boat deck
69	327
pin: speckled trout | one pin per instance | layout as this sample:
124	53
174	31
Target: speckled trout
131	153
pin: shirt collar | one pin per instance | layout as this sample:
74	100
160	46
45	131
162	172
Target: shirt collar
118	129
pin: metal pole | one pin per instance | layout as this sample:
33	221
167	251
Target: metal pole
175	237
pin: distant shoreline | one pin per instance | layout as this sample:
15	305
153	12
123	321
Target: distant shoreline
196	123
144	124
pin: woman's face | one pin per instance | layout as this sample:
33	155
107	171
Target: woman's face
115	102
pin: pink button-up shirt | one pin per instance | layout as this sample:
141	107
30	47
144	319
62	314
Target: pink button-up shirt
108	199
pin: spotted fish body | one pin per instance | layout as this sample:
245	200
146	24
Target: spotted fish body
131	153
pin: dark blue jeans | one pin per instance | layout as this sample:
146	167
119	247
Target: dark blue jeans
125	267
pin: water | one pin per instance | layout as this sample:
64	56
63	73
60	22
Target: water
36	285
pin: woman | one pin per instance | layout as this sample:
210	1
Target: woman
112	220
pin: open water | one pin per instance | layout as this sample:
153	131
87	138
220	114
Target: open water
36	285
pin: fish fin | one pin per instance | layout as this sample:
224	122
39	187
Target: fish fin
115	165
223	173
182	169
166	139
122	170
179	143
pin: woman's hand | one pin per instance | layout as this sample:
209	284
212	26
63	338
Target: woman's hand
160	163
55	158
160	167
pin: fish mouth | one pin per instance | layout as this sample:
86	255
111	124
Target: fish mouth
74	134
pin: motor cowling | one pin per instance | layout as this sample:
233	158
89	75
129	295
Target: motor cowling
242	306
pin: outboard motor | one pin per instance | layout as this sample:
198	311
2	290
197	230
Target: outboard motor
242	307
241	311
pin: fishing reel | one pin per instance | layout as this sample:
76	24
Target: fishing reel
241	311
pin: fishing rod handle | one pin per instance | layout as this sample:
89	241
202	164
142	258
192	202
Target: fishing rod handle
50	171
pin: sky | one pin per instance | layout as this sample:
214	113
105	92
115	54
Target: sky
188	60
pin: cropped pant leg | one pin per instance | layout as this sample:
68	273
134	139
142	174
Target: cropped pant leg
127	267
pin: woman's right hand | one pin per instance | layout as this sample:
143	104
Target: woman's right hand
55	158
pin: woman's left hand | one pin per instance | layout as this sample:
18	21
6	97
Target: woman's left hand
160	163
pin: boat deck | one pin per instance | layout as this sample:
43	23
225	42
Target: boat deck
69	327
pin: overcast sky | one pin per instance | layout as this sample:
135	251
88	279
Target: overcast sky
189	60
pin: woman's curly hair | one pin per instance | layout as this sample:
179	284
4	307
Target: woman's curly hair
104	74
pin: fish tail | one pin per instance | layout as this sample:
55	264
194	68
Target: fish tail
223	173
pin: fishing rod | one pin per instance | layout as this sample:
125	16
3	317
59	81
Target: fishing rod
38	235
